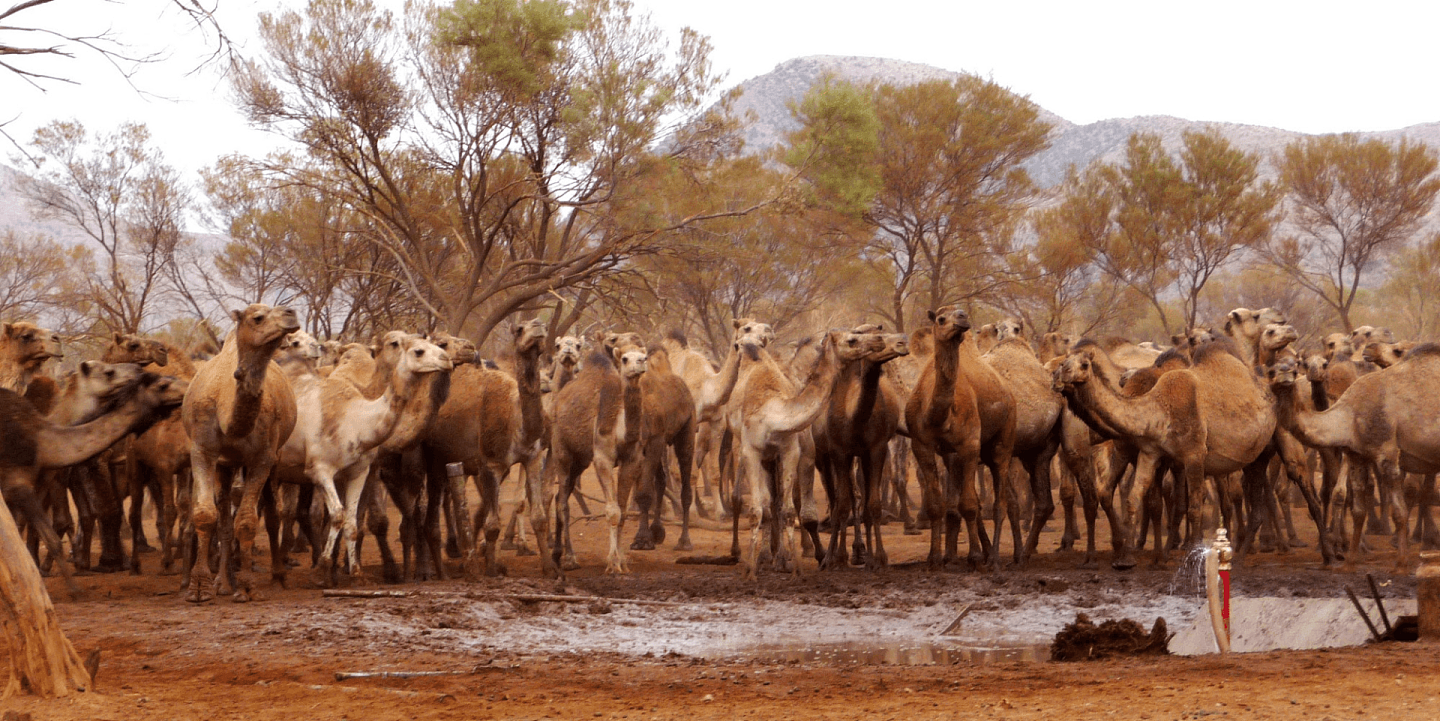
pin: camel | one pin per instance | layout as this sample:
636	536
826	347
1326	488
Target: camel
959	410
769	415
710	389
337	434
597	421
1245	326
24	347
1378	424
34	444
862	415
1384	355
1212	419
668	414
1037	413
490	422
238	414
1274	343
1053	345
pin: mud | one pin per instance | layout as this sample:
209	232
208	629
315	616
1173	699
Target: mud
1084	640
841	644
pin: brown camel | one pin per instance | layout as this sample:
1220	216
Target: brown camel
667	412
1245	326
961	411
1378	425
237	414
711	390
24	347
1037	415
1210	420
1384	355
770	414
1053	345
859	420
34	444
491	422
337	434
597	421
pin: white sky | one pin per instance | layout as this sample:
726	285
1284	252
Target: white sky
1313	66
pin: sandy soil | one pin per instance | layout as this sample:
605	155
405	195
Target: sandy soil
813	646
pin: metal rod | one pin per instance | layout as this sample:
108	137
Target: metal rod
1368	624
1384	618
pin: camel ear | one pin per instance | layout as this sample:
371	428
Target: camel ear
87	368
736	323
930	314
6	329
519	329
119	338
374	350
235	315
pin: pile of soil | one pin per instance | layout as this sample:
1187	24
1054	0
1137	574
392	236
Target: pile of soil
1084	641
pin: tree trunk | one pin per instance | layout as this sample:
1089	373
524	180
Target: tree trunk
42	661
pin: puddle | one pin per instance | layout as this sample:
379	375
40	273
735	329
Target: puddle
895	654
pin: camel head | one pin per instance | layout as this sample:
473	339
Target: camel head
103	380
1386	354
748	330
387	351
950	322
1075	369
567	350
1367	334
1315	365
29	344
1276	336
459	349
300	346
530	337
1282	374
330	352
986	337
1338	345
1054	345
354	349
630	361
259	325
1247	323
131	348
1010	328
851	346
895	345
421	356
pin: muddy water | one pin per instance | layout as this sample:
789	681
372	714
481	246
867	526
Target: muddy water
884	654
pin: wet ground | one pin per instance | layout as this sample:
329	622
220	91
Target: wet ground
846	644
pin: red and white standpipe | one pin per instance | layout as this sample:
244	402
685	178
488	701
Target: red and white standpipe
1217	587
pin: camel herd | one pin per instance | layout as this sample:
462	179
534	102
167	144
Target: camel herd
315	437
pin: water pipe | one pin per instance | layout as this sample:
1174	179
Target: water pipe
1217	587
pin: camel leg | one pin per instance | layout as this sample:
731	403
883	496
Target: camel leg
110	515
247	521
1256	482
1391	481
789	515
557	464
137	480
685	459
1068	495
932	500
378	521
167	514
19	484
1357	490
354	480
1041	497
1145	469
873	467
650	495
204	517
963	471
840	486
487	518
607	473
535	503
274	532
754	510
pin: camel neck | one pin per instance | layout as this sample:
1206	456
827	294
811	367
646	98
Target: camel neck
715	391
870	372
800	411
253	363
430	394
532	411
61	446
945	361
630	398
1113	411
1332	428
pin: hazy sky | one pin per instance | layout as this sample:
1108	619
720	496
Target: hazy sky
1314	67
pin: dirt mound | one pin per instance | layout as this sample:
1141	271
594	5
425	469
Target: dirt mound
1084	641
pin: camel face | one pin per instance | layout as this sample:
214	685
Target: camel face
896	345
261	325
301	346
459	349
30	344
1073	370
422	356
1009	328
854	346
1338	344
950	322
163	392
1283	374
1385	354
1275	336
531	335
747	330
1315	366
102	380
136	349
329	353
631	362
567	350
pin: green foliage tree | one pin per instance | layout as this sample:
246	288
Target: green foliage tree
1349	202
38	275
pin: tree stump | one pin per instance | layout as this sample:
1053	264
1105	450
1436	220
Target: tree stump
42	661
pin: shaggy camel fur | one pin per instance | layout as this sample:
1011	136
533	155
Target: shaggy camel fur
857	424
1380	426
963	412
34	444
337	434
1037	414
237	414
490	422
24	347
770	414
597	421
1210	420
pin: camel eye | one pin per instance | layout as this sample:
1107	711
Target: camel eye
419	352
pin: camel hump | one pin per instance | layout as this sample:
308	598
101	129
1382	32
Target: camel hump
678	336
1424	350
1216	347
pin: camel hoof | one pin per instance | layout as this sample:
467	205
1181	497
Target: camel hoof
570	564
496	570
1122	564
657	532
109	566
508	544
1089	563
1297	543
452	548
642	545
684	544
525	551
877	562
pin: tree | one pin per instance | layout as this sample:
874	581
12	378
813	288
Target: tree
1059	287
948	158
1173	222
1410	288
37	274
497	151
117	189
1349	202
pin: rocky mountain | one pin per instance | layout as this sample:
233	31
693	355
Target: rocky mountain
767	95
